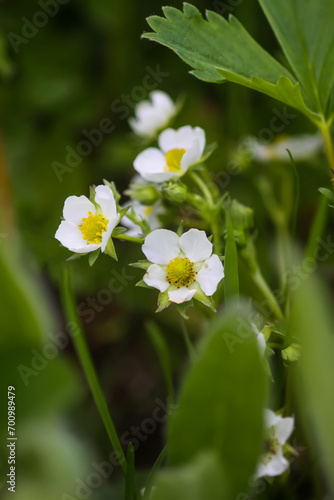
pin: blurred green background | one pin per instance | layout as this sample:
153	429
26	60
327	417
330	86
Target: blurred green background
58	81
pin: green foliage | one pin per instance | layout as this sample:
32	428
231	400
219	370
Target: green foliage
220	50
314	385
201	478
221	403
304	29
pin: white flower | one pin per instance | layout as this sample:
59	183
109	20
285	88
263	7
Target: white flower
179	150
149	213
154	115
261	341
279	429
88	226
184	266
302	147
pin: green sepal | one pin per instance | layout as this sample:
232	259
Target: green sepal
93	256
207	152
110	249
123	211
119	230
163	301
201	297
92	194
328	194
183	307
141	264
112	186
142	284
75	256
180	228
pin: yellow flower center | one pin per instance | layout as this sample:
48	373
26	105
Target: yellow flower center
93	227
173	160
147	212
180	272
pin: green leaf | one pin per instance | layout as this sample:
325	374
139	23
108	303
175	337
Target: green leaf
221	50
130	474
161	347
93	256
203	478
314	385
304	29
231	280
221	402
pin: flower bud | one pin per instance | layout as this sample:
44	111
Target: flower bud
292	353
144	193
176	192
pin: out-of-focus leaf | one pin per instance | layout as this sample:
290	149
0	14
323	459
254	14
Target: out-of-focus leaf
202	478
221	403
314	386
162	351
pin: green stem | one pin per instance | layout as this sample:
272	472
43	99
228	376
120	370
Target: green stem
156	465
88	367
126	237
203	187
262	285
326	135
190	347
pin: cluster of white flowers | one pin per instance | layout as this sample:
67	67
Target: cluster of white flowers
180	267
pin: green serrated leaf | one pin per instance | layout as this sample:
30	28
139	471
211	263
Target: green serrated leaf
221	50
110	249
93	256
304	29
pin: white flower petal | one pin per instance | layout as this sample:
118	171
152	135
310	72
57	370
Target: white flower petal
106	235
195	245
105	198
70	237
261	342
161	246
283	429
156	277
152	116
168	140
181	295
275	465
77	207
270	418
210	274
151	162
163	103
191	156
